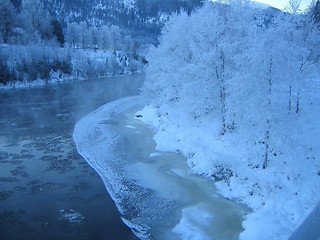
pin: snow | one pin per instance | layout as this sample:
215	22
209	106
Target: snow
129	3
278	205
86	64
310	229
36	83
280	200
192	217
241	114
222	95
156	193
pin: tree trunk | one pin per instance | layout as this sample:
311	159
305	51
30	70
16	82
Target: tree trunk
290	100
298	103
221	79
267	133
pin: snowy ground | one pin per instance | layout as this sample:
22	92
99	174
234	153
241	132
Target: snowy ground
280	196
35	83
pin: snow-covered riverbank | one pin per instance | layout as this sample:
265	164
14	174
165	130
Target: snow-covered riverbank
279	203
281	195
156	193
241	102
33	66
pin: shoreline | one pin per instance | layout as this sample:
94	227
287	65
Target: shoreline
279	204
100	134
39	83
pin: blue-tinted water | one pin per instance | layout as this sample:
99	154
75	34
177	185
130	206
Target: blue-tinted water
41	172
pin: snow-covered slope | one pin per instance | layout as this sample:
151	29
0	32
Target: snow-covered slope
139	17
238	95
260	5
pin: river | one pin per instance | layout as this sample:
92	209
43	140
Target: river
43	180
159	196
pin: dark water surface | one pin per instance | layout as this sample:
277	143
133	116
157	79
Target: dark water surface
42	177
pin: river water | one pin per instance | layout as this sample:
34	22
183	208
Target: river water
43	180
190	206
156	192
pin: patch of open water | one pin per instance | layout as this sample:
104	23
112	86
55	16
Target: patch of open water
41	172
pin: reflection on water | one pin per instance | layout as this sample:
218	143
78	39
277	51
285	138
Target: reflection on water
42	177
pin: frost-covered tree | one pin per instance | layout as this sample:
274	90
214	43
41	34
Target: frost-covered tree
235	65
116	37
105	38
293	6
36	20
95	37
85	35
8	19
73	36
316	11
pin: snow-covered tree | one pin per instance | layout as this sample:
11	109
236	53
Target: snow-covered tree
116	37
73	36
8	20
36	20
232	64
85	35
293	6
105	38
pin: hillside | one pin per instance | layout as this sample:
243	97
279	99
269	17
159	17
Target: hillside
237	92
33	30
139	17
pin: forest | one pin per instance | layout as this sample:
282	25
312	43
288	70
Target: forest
235	89
31	37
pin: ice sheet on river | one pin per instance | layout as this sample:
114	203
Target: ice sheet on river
155	192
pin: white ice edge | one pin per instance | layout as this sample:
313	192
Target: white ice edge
95	141
94	152
273	218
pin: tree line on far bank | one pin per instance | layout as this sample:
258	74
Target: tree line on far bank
30	39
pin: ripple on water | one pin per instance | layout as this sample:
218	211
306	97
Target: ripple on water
4	195
81	186
11	217
37	186
8	179
20	171
3	156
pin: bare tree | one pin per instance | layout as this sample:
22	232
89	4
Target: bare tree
293	6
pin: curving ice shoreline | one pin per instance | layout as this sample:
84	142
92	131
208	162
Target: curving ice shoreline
159	196
156	193
95	143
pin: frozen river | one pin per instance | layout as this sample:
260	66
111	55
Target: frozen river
47	190
156	192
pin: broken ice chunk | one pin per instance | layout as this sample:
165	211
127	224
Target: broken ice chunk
71	216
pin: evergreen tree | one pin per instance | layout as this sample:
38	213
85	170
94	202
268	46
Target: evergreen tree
5	74
57	31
